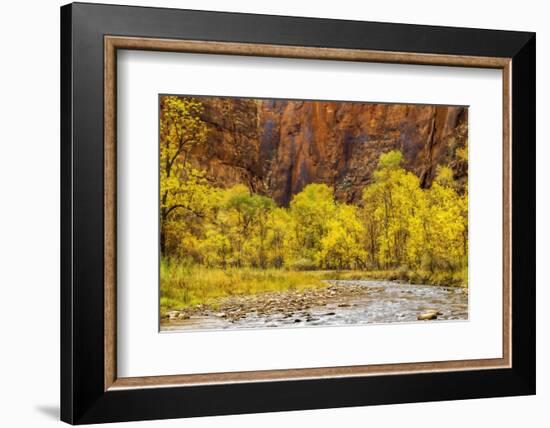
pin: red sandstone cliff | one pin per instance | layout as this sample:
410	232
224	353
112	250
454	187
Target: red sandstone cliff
277	147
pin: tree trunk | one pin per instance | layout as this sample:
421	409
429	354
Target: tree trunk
162	232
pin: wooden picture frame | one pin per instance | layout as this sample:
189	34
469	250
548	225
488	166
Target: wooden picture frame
91	390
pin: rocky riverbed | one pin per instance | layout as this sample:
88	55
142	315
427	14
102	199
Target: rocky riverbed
339	303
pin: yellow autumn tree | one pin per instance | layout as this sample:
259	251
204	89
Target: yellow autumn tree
414	228
251	214
277	237
446	223
184	191
310	212
343	246
392	208
397	224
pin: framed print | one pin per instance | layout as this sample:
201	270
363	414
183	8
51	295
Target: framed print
289	240
265	213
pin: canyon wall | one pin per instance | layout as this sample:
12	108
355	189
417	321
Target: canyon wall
276	147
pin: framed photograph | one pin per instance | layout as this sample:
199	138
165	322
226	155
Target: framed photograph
266	213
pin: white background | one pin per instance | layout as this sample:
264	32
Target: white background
144	352
29	218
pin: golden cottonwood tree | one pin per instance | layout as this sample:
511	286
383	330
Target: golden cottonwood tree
446	226
182	187
249	229
396	225
406	225
310	212
241	230
393	205
343	245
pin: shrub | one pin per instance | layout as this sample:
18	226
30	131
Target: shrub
302	265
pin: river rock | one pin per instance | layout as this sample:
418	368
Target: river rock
431	315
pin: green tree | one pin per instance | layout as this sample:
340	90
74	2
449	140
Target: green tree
245	218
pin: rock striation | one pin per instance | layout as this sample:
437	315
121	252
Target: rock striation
276	147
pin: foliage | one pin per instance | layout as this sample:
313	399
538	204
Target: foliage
184	285
183	189
310	212
414	227
342	245
224	241
399	224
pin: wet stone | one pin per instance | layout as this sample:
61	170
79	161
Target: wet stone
340	303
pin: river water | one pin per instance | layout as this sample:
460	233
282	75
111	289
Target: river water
382	302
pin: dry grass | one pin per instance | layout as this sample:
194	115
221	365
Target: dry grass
183	286
187	285
452	279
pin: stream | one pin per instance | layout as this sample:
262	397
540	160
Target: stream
342	302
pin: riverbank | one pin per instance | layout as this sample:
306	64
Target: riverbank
286	302
183	286
442	278
189	286
340	302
